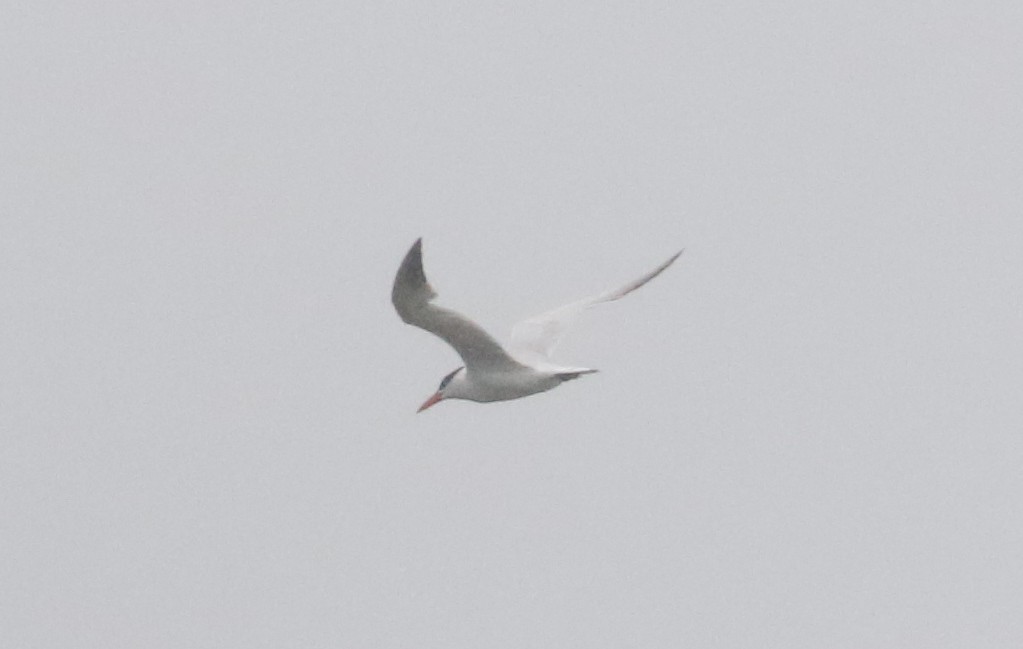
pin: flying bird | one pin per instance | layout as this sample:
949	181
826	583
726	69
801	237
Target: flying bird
491	372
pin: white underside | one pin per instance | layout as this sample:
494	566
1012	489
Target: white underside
502	386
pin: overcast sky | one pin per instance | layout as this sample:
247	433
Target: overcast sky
806	433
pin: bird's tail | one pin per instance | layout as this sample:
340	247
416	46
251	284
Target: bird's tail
574	374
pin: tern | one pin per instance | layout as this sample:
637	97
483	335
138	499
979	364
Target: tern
491	372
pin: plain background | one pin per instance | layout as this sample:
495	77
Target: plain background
807	433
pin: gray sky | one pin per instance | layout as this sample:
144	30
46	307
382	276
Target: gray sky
807	433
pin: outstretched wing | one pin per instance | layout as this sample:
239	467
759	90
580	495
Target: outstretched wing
537	337
412	297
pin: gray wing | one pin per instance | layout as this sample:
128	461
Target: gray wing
412	297
536	337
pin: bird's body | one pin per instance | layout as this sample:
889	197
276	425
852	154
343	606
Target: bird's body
519	382
492	373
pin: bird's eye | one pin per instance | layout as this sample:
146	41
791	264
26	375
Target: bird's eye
447	379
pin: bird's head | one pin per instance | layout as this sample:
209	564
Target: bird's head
451	387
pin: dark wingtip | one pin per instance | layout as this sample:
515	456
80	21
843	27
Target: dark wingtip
414	258
416	252
410	279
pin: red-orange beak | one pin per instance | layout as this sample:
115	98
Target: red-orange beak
429	402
